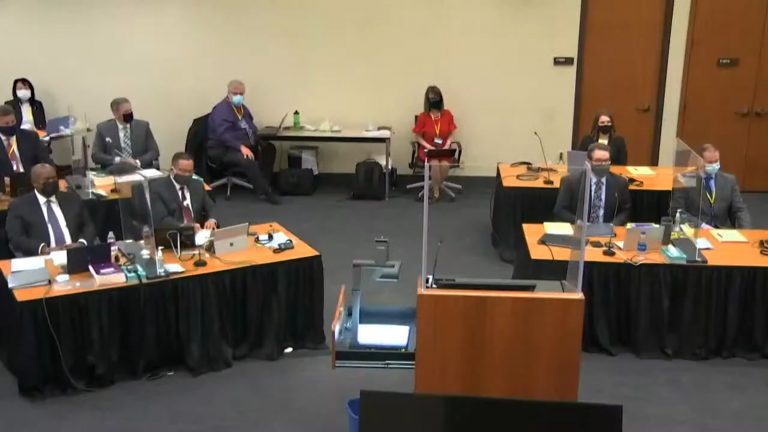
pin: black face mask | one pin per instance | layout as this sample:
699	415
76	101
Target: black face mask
436	104
128	117
601	171
182	180
605	129
9	131
49	188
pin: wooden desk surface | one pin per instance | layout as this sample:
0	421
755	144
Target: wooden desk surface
660	181
254	255
722	254
345	134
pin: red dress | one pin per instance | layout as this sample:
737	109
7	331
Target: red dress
428	128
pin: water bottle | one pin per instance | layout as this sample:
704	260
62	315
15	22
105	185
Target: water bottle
642	246
149	239
296	120
160	261
112	241
678	221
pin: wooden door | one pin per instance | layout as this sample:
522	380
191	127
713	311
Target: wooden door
756	176
621	68
720	75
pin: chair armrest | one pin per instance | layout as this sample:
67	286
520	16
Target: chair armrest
414	153
459	149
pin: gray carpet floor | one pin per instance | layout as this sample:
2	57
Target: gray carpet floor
301	392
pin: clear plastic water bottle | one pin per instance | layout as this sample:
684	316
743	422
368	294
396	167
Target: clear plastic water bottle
642	245
112	241
160	261
148	239
678	221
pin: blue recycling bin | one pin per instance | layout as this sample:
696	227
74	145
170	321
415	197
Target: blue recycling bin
353	414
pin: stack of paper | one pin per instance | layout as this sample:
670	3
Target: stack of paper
103	180
150	173
130	178
640	170
562	228
728	236
383	335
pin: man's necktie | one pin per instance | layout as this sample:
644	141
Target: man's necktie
596	211
188	219
125	141
53	221
708	180
709	184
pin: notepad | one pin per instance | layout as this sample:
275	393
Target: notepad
728	236
150	173
562	228
640	170
383	335
29	263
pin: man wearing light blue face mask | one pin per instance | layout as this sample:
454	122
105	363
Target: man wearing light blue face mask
716	200
233	141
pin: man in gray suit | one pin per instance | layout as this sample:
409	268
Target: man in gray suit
124	143
715	201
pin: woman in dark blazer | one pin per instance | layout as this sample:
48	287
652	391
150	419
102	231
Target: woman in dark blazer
604	131
30	113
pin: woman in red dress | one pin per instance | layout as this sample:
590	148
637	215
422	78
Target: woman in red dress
434	130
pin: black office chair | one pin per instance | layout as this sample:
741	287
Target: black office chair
214	175
417	168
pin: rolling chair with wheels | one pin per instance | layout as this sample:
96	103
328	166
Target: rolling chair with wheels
417	167
214	176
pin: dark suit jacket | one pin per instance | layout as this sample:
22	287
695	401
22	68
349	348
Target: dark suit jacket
166	205
31	152
571	186
107	140
27	228
728	211
38	112
617	145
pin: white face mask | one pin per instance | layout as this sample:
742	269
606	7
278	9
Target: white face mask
24	94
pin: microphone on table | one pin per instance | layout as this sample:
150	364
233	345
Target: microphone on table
608	251
547	181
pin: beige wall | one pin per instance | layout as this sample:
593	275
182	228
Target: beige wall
351	61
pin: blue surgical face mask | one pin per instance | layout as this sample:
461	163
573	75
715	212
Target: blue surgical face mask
712	168
237	100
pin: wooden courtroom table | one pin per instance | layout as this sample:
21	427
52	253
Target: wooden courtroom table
516	202
662	310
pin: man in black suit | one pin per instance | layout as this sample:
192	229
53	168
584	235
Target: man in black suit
609	193
47	219
180	199
22	148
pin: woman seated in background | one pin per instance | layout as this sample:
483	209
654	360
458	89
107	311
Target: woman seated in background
30	113
604	132
434	130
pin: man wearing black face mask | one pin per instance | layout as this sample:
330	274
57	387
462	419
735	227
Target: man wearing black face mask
124	144
22	149
605	189
47	219
180	199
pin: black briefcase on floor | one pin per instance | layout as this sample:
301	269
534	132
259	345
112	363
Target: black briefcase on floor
296	181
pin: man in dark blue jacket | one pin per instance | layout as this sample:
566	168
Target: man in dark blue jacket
234	141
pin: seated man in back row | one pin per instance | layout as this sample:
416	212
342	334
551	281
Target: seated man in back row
22	149
609	200
720	204
181	199
47	219
124	144
233	142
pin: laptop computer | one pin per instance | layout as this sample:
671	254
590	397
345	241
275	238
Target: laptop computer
269	131
230	239
57	125
653	237
576	160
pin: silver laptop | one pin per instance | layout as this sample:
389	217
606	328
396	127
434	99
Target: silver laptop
653	236
576	160
230	239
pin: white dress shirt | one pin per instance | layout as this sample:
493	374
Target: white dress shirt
186	202
7	143
27	120
602	199
63	222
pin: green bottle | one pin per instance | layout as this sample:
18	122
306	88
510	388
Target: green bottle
296	120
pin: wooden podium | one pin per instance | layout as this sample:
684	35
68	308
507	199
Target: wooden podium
499	343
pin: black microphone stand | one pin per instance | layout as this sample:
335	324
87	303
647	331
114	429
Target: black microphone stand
547	181
608	251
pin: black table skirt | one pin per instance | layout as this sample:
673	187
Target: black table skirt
513	207
201	322
663	311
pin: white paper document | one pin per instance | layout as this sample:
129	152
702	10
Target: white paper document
30	263
384	335
130	178
563	228
640	170
150	173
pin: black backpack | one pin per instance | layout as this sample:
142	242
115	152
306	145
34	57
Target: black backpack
296	181
370	182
